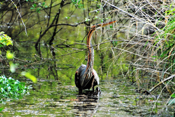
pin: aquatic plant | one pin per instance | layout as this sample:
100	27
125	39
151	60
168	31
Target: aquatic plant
12	89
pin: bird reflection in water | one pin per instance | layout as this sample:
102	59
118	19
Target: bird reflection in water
86	103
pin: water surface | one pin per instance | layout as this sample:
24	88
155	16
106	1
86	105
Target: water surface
50	98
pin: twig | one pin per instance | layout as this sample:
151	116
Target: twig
169	78
133	16
20	16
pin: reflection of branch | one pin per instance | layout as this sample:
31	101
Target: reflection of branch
20	16
169	78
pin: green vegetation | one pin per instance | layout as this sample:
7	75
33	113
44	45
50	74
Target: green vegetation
167	52
5	40
9	87
77	3
12	89
37	6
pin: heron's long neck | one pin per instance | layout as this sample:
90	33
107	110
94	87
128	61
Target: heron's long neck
90	48
90	51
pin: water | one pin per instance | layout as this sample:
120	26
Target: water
50	98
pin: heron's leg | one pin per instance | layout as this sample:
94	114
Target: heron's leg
80	91
93	85
77	80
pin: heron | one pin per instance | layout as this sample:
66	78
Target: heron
85	76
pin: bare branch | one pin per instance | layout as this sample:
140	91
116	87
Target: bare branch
20	16
169	78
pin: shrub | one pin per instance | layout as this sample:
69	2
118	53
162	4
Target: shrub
12	89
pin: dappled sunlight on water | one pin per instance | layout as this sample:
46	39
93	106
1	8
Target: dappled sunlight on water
49	98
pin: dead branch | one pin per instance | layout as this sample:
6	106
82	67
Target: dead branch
169	78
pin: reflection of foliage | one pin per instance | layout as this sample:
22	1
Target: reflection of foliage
5	40
13	89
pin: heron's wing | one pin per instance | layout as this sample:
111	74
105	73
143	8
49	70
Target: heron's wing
96	76
81	71
84	77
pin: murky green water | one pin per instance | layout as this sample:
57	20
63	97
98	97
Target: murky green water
50	98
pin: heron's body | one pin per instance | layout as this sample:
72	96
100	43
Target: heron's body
86	77
83	83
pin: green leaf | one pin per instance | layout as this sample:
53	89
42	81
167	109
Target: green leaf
9	55
67	17
13	67
34	5
154	56
28	75
32	8
5	39
1	109
38	10
12	89
171	102
173	95
43	3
